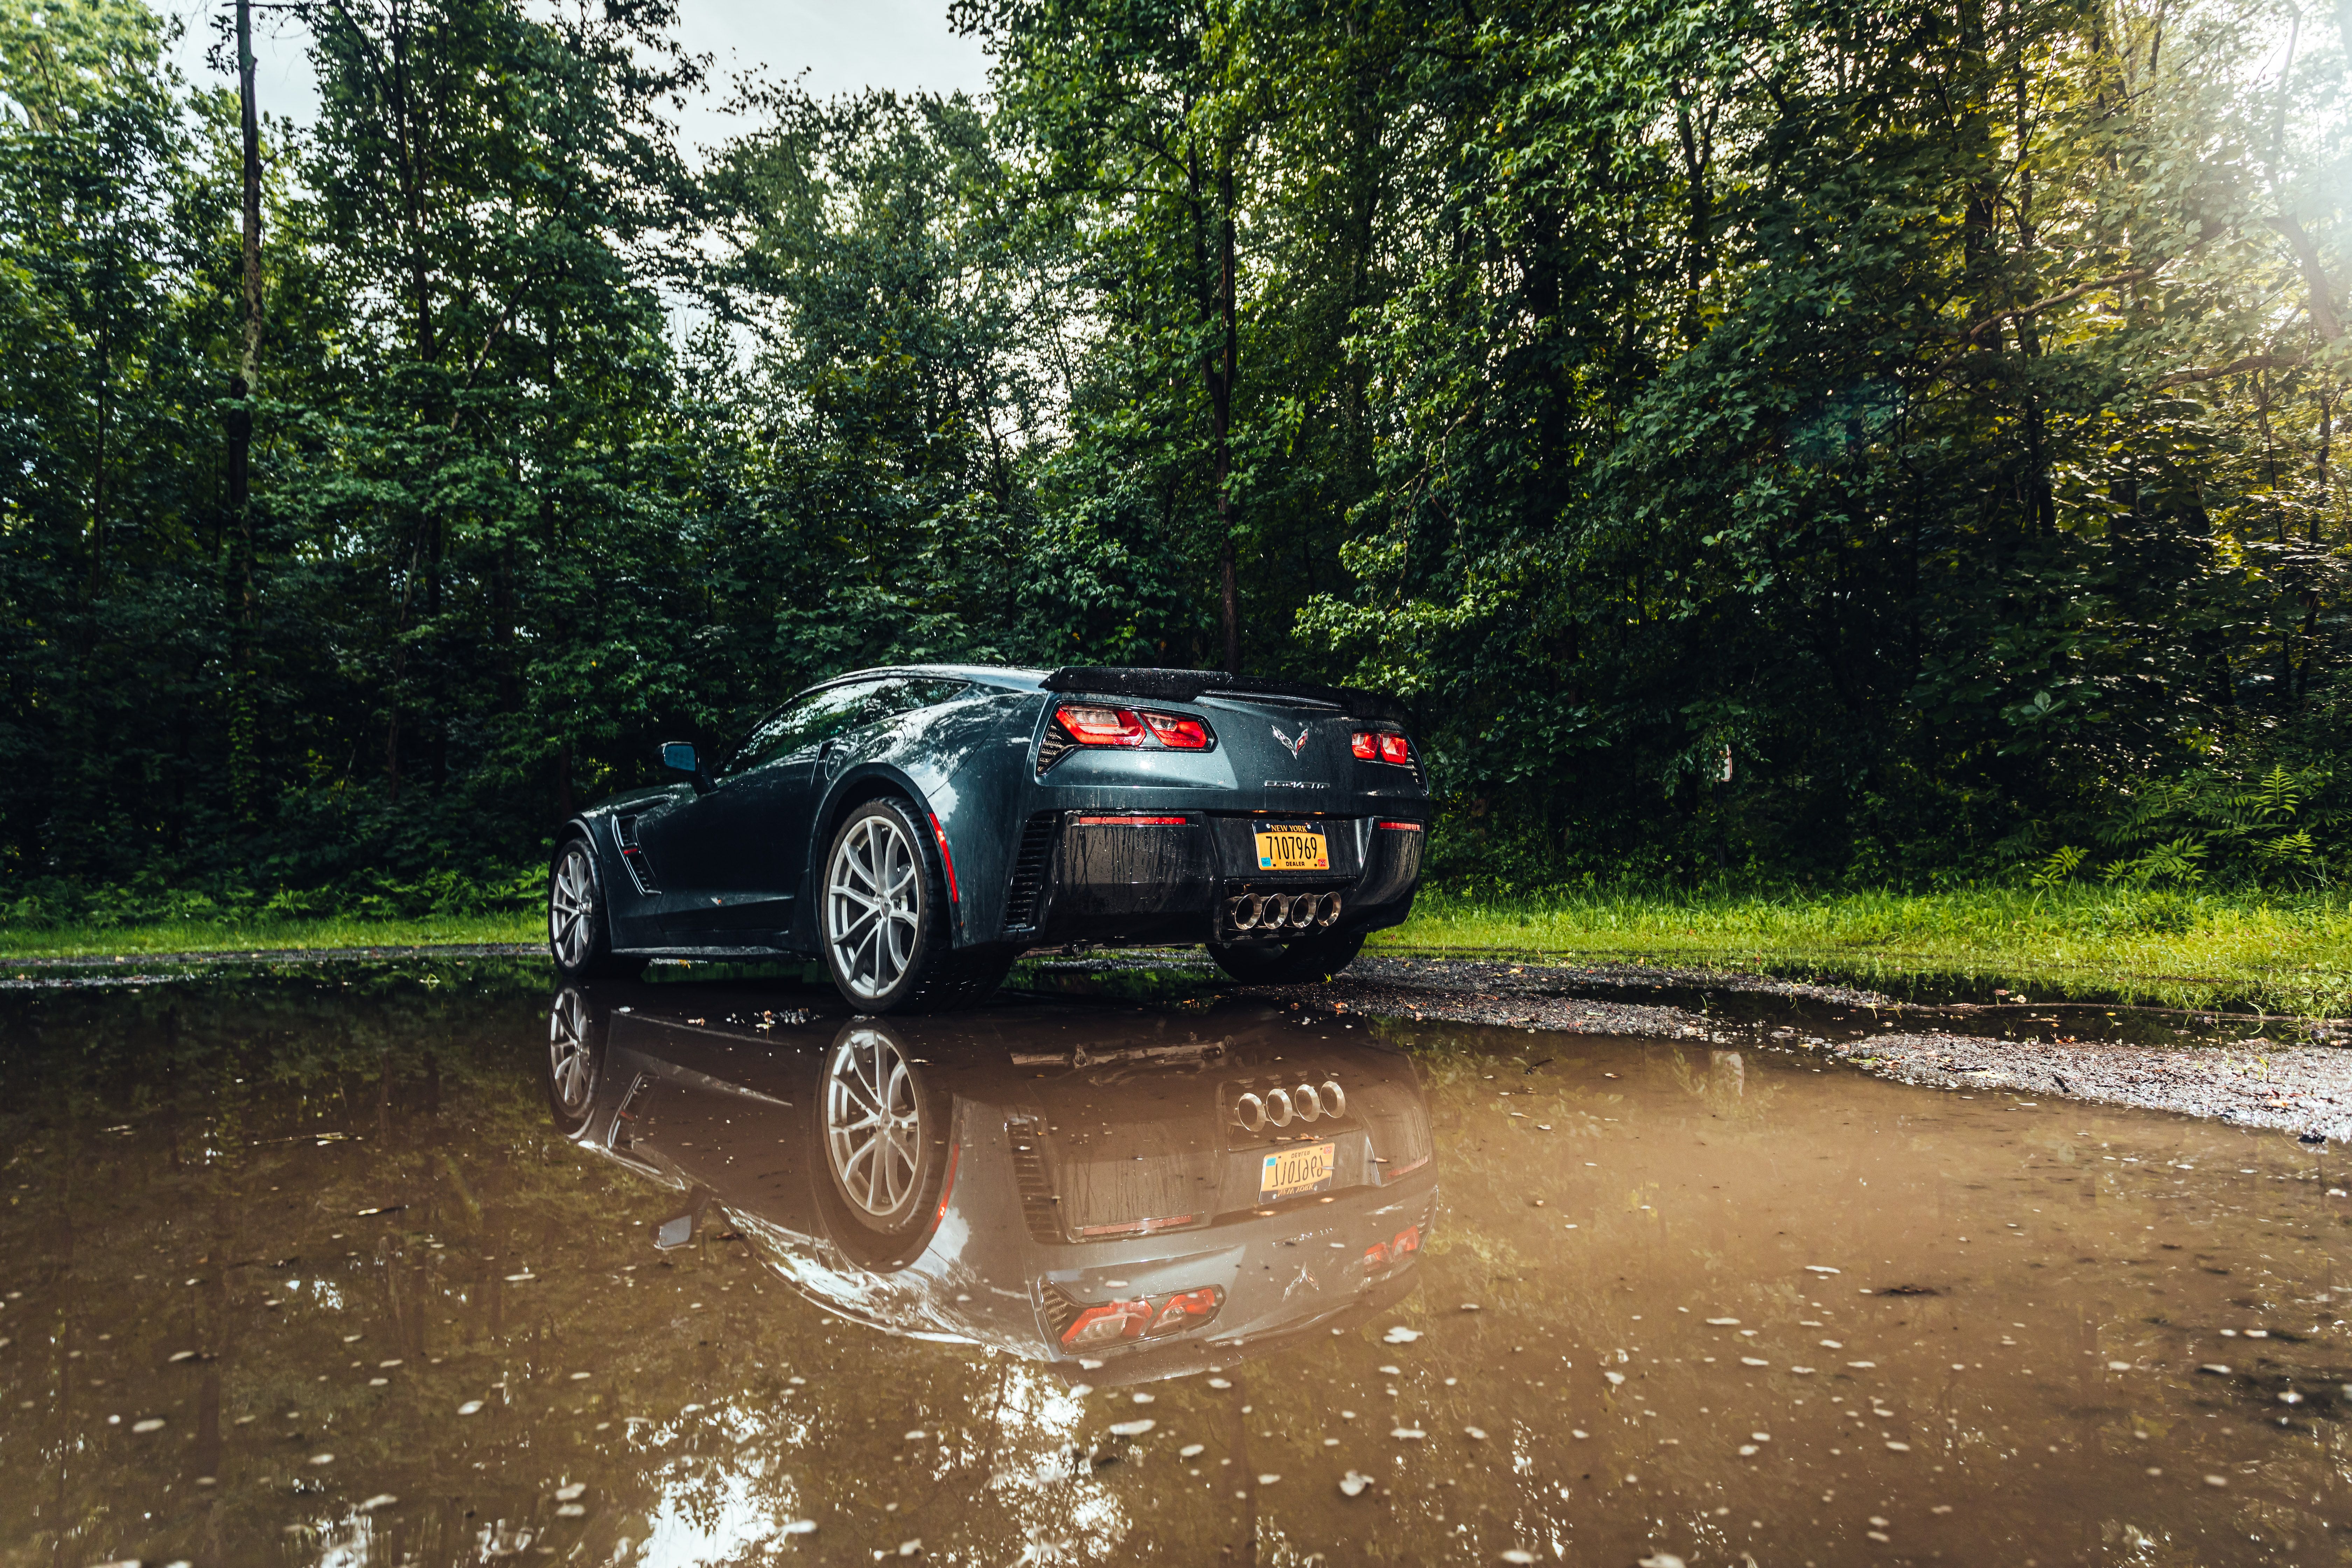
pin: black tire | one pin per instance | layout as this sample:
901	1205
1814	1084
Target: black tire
1309	961
578	922
882	919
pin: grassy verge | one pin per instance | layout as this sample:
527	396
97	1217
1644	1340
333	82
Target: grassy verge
245	936
2288	954
2285	953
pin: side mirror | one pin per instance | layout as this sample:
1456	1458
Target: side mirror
678	1230
678	756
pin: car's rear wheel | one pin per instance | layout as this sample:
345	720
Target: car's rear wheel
887	943
1308	961
579	934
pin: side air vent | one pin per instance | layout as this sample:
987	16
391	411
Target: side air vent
1060	1310
1029	866
1036	1194
632	855
1052	748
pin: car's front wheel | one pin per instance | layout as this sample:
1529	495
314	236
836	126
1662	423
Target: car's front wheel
884	915
1308	961
579	935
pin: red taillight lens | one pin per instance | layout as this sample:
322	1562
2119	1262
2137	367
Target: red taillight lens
1366	746
1107	1324
1146	1317
1407	1240
1102	726
1394	750
1187	1308
1176	734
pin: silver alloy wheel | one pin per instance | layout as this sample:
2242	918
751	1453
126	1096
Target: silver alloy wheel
874	906
873	1124
571	905
569	1065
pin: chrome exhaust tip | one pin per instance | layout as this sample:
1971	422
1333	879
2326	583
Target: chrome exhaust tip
1279	1108
1330	909
1277	910
1242	912
1335	1099
1309	1103
1302	911
1249	1113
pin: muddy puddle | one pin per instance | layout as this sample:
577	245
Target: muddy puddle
443	1266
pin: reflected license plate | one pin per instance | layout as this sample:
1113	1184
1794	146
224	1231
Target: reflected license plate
1288	1173
1287	848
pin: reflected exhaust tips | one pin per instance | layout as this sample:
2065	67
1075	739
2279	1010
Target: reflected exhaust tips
1281	911
1281	1107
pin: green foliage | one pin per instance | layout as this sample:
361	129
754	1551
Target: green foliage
1767	442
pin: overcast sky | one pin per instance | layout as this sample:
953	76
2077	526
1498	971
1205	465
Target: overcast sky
841	46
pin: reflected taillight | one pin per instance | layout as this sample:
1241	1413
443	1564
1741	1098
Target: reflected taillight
1145	1317
1107	1324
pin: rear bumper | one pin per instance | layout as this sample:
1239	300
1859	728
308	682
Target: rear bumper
1143	876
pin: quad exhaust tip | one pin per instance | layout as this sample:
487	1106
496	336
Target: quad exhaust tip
1281	1107
1281	911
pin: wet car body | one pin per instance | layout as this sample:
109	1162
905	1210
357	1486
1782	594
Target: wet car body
1059	1183
1148	837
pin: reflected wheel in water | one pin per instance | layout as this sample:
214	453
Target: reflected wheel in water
875	1136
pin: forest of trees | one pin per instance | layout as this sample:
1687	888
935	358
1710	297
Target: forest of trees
1819	442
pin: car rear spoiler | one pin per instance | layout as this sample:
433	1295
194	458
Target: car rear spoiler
1189	685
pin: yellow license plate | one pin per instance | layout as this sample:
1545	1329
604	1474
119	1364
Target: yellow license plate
1289	849
1290	1172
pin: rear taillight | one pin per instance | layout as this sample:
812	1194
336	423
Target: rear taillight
1145	1317
1394	750
1102	726
1178	734
1382	746
1086	724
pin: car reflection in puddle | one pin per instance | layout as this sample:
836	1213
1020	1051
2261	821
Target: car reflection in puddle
1138	1213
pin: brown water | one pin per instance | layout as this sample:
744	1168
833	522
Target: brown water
348	1270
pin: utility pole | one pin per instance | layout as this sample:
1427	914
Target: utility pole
243	768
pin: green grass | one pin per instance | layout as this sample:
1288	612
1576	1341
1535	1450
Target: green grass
2279	952
238	936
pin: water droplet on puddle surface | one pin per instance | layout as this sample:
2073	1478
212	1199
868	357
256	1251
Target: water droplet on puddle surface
1219	1382
1131	1428
1407	1434
1353	1485
471	1406
152	1424
1400	1335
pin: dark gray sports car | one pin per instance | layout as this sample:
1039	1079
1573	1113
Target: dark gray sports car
917	828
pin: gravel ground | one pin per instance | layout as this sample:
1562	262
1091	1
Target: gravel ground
2253	1083
2208	1069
